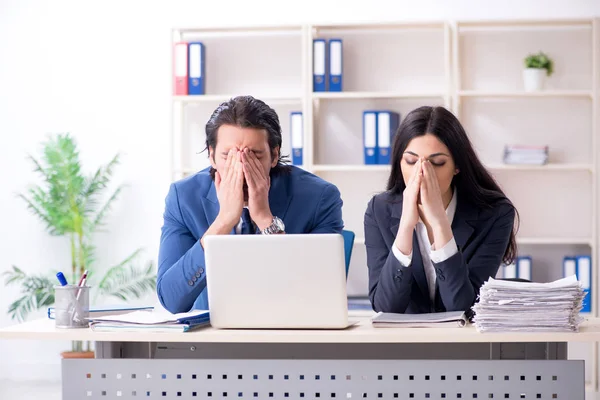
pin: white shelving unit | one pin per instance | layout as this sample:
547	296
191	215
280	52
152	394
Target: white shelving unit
559	207
473	68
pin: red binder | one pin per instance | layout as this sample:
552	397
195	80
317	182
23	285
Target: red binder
180	69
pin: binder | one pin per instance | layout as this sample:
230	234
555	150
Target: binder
569	266
524	268
180	67
509	271
584	275
370	137
387	124
297	133
196	68
335	65
319	61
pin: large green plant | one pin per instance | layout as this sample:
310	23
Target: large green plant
74	205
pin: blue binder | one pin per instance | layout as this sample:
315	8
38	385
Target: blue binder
370	137
335	65
196	68
297	134
319	64
584	275
387	124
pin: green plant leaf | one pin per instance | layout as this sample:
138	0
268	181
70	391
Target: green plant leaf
37	292
127	281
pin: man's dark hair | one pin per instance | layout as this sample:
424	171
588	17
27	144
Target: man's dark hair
247	112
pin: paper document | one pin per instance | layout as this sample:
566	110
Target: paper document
508	306
442	319
153	321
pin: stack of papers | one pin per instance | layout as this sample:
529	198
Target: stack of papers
507	306
431	320
532	155
150	321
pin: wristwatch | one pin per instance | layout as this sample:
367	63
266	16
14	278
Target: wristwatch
277	226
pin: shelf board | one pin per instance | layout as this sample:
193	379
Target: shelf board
524	24
243	31
351	168
546	167
375	95
517	94
554	241
218	98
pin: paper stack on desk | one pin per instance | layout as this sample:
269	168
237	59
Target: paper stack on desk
508	306
150	321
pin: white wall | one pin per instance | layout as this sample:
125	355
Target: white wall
103	73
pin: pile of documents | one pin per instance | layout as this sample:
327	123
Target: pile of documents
508	306
531	155
150	321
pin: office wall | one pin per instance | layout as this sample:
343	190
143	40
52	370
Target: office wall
102	73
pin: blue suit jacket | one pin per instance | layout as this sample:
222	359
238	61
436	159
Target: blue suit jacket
481	236
305	203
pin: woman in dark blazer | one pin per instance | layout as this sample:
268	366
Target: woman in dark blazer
442	228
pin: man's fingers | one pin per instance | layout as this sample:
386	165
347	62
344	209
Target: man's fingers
253	164
229	164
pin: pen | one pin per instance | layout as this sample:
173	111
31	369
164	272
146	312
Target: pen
61	279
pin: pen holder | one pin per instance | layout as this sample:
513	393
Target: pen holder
71	306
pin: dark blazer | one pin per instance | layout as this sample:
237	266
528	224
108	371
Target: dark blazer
305	203
481	235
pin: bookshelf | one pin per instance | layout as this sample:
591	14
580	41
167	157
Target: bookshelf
473	68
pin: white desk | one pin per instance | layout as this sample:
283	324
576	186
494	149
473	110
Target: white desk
359	362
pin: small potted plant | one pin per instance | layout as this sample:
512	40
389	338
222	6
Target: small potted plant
537	68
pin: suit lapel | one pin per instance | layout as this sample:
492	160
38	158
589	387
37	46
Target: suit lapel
463	222
210	204
417	260
279	198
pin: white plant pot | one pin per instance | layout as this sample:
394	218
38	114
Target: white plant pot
534	79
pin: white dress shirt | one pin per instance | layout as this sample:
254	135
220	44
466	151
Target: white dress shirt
428	254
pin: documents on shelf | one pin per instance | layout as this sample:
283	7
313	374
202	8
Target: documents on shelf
431	320
506	306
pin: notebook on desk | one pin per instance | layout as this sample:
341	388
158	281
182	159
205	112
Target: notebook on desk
456	319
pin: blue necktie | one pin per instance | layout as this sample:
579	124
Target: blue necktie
247	224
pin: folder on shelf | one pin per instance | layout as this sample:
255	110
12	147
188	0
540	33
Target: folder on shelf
319	65
387	124
584	275
509	271
335	65
296	129
370	136
569	266
524	268
196	79
180	69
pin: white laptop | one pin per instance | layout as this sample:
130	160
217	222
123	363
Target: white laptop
290	281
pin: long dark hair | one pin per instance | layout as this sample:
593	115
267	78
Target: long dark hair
473	182
247	112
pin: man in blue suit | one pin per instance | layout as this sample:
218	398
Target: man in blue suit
247	190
